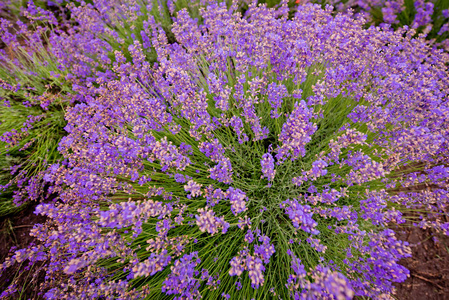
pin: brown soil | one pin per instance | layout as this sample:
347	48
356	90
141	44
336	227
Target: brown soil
429	265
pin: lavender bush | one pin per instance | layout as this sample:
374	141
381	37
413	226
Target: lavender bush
239	156
430	17
33	98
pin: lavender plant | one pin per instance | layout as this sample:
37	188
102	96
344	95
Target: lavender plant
258	157
45	63
429	17
33	96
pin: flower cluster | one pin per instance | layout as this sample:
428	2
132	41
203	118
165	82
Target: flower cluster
254	264
327	284
181	279
301	216
267	163
206	221
296	133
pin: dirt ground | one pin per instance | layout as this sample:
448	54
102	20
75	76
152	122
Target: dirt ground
429	265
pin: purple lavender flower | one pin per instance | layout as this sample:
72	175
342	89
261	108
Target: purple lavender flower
300	215
267	163
296	133
182	279
424	11
237	198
